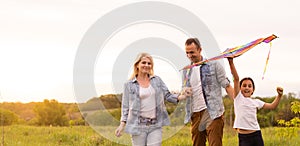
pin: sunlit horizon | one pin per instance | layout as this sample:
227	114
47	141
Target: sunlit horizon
39	41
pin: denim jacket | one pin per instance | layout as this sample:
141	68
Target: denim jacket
131	104
213	77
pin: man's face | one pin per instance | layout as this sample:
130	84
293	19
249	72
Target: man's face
193	53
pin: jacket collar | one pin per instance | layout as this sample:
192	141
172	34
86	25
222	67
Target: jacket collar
135	79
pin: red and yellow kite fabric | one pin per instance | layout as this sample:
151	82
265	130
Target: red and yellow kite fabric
236	51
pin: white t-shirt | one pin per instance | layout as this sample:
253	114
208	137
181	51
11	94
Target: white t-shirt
148	105
198	101
245	109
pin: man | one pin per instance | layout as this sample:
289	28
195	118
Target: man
204	109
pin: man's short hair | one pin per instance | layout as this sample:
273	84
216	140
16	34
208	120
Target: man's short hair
193	40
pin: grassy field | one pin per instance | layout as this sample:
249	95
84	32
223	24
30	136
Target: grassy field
18	135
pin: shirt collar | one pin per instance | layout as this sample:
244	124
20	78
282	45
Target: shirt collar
201	60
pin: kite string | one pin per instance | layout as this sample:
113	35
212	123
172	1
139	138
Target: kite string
265	68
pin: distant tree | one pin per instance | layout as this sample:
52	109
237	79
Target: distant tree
50	113
23	110
7	117
295	107
295	122
111	101
292	126
108	101
91	105
71	110
229	110
102	118
284	108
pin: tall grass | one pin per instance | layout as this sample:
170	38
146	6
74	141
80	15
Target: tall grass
17	135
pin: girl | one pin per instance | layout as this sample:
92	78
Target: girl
245	109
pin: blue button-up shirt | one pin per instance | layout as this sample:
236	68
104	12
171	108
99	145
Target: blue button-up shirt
131	104
213	77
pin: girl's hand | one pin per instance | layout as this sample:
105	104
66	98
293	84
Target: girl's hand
280	91
229	58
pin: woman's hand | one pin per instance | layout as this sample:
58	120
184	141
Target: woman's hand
186	91
120	129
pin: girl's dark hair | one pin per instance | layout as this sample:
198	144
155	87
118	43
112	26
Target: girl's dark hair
247	78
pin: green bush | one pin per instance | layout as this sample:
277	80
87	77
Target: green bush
7	117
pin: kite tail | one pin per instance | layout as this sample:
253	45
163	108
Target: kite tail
186	78
267	61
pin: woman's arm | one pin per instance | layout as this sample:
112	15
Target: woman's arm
166	93
124	111
235	77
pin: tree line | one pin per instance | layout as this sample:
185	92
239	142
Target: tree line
105	110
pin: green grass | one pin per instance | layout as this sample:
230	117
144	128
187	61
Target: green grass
18	135
51	136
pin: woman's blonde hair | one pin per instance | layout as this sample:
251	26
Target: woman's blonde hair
138	60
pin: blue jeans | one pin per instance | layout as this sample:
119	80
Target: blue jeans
150	136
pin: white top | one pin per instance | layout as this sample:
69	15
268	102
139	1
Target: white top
245	109
148	104
198	101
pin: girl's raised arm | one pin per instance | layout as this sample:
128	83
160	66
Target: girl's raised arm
235	77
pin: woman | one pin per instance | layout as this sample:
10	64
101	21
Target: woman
143	111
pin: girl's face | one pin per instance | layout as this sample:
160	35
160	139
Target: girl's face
144	66
247	88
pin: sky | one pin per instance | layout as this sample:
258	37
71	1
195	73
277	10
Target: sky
39	41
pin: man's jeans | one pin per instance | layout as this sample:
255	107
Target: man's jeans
213	133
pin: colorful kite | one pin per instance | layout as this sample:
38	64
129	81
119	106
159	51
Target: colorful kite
236	51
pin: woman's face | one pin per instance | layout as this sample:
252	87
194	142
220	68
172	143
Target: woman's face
144	66
247	88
